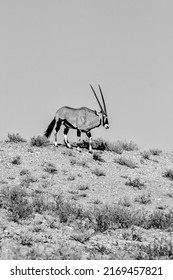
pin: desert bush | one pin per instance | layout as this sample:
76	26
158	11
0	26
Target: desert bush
128	146
100	144
97	201
155	152
18	204
146	155
135	183
98	172
170	194
68	152
116	216
132	234
66	210
26	180
24	172
168	174
118	146
126	162
82	163
16	160
125	201
104	145
159	249
39	141
102	219
50	168
143	198
41	204
119	216
15	138
97	157
71	177
160	219
83	187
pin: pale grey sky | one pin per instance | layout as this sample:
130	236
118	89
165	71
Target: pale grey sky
51	50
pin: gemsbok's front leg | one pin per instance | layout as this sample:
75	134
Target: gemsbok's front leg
78	140
90	141
66	130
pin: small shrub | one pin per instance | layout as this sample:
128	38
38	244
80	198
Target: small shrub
26	240
135	183
82	195
71	177
18	204
126	162
39	141
143	199
82	163
83	187
155	152
15	138
132	234
66	210
16	160
97	201
125	202
170	194
128	146
68	152
102	218
50	168
146	155
116	216
100	144
98	172
40	204
168	174
159	249
160	219
97	157
103	145
26	180
24	172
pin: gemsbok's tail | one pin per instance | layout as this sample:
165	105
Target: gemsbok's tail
50	128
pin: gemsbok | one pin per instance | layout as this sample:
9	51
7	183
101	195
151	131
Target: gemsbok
82	119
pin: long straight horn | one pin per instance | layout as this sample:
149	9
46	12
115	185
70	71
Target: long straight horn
104	105
97	99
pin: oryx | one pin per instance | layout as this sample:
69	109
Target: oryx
83	119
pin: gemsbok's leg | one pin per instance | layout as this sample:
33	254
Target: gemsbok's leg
78	139
66	130
57	128
90	141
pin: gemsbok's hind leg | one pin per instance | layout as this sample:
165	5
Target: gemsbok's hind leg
90	141
66	130
57	128
78	140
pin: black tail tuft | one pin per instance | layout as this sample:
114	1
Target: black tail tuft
49	129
